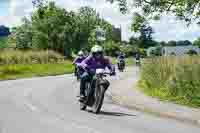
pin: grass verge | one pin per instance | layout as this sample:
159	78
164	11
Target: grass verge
164	95
16	71
172	78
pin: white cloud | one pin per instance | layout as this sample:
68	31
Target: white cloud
168	28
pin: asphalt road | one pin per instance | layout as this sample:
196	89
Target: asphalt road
49	105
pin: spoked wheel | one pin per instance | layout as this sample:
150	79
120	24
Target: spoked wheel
99	97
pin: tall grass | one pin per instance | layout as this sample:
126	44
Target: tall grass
16	71
29	57
173	78
3	42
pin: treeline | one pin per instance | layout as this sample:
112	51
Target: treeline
52	27
4	31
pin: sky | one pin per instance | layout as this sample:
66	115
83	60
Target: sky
168	28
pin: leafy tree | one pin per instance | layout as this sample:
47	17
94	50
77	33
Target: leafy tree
141	26
171	43
24	35
4	31
133	41
129	50
197	42
183	43
187	10
52	27
163	43
111	48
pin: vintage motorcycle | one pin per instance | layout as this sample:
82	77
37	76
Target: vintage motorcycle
95	91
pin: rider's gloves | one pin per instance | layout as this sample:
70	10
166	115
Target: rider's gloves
92	71
113	73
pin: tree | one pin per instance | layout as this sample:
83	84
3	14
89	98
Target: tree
183	43
187	10
4	31
171	43
197	42
111	48
52	27
133	41
140	25
163	43
24	35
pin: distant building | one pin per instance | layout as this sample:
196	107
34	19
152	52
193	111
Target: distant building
116	34
179	50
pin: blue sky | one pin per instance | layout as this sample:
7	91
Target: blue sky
4	5
11	11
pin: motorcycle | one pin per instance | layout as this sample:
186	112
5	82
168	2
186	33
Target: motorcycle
137	62
95	91
121	65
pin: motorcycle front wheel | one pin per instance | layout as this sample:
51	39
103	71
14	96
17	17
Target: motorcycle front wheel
99	98
82	106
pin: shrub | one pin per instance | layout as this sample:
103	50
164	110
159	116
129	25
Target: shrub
192	52
111	48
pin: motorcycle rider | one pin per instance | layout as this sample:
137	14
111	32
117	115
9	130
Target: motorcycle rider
94	61
119	58
78	60
137	59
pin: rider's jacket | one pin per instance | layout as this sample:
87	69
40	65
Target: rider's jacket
92	63
78	60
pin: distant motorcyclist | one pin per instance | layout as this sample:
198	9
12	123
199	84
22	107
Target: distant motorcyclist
77	62
137	59
94	61
121	61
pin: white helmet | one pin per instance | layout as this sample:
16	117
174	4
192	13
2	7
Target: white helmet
96	49
80	53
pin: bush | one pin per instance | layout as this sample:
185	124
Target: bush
157	51
192	52
111	48
29	57
177	78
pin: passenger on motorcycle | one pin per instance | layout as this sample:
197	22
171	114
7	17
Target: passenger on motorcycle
94	61
78	61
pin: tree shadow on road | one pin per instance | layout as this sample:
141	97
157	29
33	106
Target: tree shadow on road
114	114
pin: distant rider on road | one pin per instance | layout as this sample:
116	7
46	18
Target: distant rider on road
119	58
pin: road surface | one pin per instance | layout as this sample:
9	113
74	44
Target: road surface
49	105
